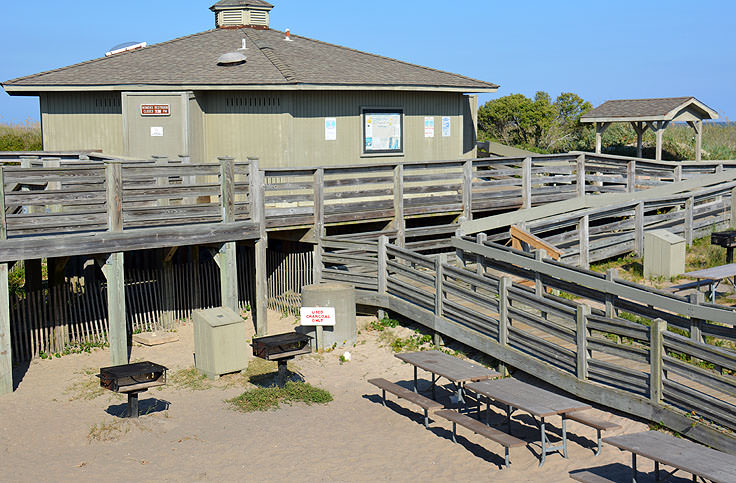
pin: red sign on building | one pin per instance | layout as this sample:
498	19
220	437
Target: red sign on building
155	110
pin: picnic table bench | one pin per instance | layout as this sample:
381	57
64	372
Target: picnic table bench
453	369
515	394
504	439
681	454
584	417
426	404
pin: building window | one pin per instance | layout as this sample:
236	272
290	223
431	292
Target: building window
383	131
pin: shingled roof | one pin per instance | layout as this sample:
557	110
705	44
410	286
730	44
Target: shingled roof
663	109
191	62
241	3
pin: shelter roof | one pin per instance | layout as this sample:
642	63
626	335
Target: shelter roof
272	62
663	109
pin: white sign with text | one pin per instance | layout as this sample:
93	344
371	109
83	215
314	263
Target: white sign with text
318	316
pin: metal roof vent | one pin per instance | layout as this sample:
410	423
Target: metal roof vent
231	58
125	47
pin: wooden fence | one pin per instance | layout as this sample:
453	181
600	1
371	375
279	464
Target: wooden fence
585	346
74	313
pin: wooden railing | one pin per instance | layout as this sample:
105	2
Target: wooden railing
65	198
609	345
57	194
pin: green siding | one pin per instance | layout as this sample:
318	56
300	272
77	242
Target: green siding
287	129
282	128
80	121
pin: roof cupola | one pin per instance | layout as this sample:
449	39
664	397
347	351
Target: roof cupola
241	13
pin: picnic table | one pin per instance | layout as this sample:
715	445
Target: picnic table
518	395
681	454
714	276
451	368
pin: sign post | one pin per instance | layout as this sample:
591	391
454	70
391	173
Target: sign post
318	317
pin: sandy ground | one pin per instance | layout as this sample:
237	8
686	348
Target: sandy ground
57	427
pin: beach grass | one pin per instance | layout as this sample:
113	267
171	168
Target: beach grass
20	136
267	398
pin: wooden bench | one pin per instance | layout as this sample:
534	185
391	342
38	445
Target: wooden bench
707	282
427	404
589	477
588	419
504	439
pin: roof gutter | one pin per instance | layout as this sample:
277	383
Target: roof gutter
21	90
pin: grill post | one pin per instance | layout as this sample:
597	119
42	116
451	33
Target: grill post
281	377
133	404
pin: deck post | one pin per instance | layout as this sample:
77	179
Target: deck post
503	318
319	222
399	223
6	356
696	325
584	244
631	176
689	221
678	173
480	260
639	229
526	183
168	287
382	265
539	255
733	207
656	353
439	294
438	291
468	190
611	274
259	307
582	312
113	268
226	257
580	176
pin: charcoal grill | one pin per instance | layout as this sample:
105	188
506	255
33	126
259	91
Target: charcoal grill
132	379
727	240
282	348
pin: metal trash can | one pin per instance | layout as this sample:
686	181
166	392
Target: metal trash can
220	342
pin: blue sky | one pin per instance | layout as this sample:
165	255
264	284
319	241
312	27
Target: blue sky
598	49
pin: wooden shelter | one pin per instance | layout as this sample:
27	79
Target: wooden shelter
654	114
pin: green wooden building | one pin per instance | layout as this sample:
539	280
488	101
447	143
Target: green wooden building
243	89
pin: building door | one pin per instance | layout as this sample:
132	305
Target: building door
156	124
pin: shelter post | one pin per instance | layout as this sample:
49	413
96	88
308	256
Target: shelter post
640	128
698	128
600	128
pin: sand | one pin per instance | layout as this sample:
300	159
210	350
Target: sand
56	426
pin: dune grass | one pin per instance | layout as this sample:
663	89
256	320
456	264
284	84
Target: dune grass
20	137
